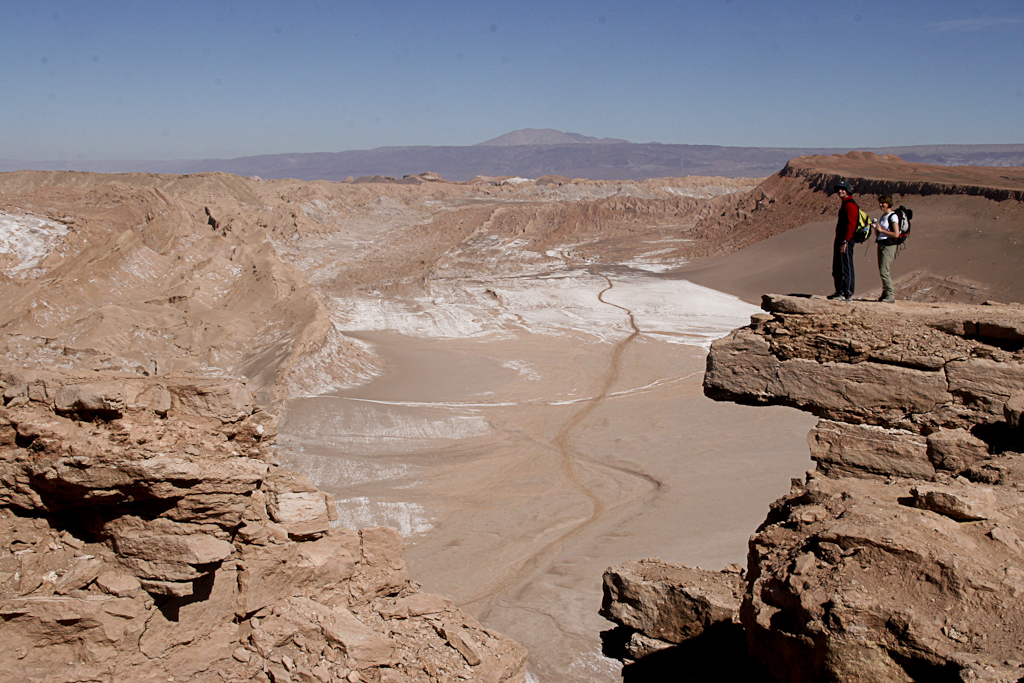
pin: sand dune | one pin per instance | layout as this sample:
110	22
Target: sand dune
965	246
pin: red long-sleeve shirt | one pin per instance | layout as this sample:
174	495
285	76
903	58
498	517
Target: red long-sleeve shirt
847	223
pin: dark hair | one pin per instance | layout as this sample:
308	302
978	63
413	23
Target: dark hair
885	199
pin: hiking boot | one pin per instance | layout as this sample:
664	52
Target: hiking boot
887	300
835	295
846	298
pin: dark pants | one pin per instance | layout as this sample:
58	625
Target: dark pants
842	267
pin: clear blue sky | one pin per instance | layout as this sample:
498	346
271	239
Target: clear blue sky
154	79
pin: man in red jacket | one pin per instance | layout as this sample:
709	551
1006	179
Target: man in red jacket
842	248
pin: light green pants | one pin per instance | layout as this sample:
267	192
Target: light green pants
886	253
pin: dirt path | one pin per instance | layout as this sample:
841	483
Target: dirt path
573	463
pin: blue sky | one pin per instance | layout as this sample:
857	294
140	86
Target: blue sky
184	80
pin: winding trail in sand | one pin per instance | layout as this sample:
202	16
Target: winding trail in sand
522	462
572	463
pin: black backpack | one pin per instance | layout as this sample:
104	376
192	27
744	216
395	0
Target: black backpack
904	214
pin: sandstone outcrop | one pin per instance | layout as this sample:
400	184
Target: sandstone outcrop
146	533
664	604
913	391
901	557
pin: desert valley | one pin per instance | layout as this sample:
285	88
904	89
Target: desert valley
509	429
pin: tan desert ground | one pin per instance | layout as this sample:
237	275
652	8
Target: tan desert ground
509	372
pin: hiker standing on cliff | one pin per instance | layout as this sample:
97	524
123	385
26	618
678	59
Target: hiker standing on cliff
842	248
887	229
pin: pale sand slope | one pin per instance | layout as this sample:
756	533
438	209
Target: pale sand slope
962	248
525	449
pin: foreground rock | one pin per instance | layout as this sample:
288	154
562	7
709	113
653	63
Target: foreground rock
677	623
852	579
901	557
146	534
914	390
664	604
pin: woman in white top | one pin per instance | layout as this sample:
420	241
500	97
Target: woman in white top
887	229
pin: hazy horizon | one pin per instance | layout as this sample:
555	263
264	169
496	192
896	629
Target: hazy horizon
72	162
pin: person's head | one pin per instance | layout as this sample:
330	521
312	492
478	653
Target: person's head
885	201
843	188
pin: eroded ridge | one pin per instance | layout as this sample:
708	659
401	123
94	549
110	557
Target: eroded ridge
900	558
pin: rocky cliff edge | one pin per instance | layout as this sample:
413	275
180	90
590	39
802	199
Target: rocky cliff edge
900	557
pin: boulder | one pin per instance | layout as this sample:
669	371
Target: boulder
967	503
353	638
297	505
869	588
842	448
459	639
89	634
196	549
269	573
148	396
95	398
118	583
1013	409
985	384
226	400
419	604
669	602
382	570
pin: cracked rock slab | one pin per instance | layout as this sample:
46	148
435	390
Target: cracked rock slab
667	601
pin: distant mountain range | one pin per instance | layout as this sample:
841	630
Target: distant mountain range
532	153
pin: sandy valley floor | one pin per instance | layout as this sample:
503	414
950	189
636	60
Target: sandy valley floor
524	450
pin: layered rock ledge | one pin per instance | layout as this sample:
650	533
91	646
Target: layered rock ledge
900	558
146	534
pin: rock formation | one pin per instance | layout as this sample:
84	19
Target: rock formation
146	534
150	330
900	558
664	604
151	327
